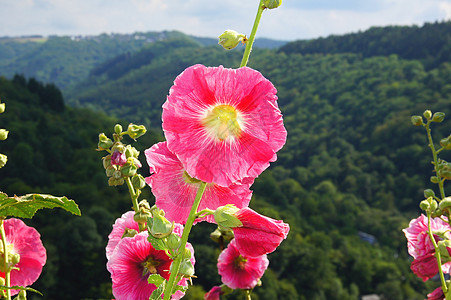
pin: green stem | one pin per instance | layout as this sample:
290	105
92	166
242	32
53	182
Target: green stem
250	41
189	224
134	195
437	255
6	262
434	155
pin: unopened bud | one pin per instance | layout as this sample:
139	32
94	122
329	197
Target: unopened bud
429	193
2	108
446	143
230	39
118	158
129	233
112	181
129	170
3	160
427	114
138	181
270	4
15	259
118	128
21	296
186	268
434	179
135	131
424	205
3	134
131	151
173	241
104	142
438	117
161	227
416	120
445	203
225	216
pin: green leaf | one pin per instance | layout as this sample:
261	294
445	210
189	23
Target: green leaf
156	295
155	279
16	287
26	206
157	243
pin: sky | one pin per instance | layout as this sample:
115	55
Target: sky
293	20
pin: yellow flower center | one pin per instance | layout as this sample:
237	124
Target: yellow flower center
150	266
240	262
223	122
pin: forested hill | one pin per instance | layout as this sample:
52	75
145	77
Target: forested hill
430	43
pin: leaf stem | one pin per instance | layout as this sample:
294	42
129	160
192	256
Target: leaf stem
434	155
250	41
6	262
189	224
437	255
134	195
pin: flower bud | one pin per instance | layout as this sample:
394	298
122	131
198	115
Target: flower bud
424	205
161	227
3	160
118	158
270	4
143	213
427	114
429	193
129	170
224	216
186	268
135	131
445	203
230	39
129	233
173	241
446	143
104	142
112	181
416	120
138	181
118	128
434	179
438	117
22	295
106	161
131	152
3	134
2	108
15	259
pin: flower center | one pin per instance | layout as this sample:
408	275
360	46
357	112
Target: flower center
150	266
240	262
223	122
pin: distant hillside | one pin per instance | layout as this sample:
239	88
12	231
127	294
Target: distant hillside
430	43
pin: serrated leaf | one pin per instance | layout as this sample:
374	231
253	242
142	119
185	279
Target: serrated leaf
156	294
157	243
156	279
27	205
180	288
16	287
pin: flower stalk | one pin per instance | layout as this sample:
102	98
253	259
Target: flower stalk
134	195
250	41
6	261
437	255
189	224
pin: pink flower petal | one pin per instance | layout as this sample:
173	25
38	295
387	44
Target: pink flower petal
240	276
175	192
226	151
126	221
214	293
27	243
259	234
425	266
437	294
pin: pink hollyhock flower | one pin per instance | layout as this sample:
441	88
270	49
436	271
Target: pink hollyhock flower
175	190
118	158
239	271
418	241
223	124
437	294
214	293
25	241
125	222
255	234
425	266
133	260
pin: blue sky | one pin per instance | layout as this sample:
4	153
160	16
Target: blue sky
295	19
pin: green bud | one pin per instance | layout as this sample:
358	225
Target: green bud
186	268
446	143
424	205
135	131
270	4
434	179
129	170
118	147
129	233
143	213
443	245
429	193
187	253
106	161
445	173
445	203
230	39
138	181
118	128
427	114
3	134
131	152
161	227
14	259
433	204
2	108
3	160
112	181
110	171
222	234
438	117
416	120
104	142
173	241
225	216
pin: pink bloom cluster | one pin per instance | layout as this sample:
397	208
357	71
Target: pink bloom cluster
132	259
26	242
421	248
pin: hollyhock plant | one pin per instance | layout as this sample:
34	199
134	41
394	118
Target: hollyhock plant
223	124
425	266
133	260
25	242
418	241
175	190
255	234
239	271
